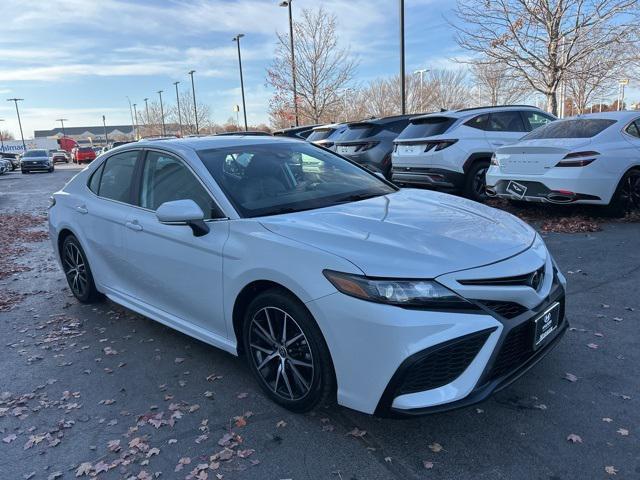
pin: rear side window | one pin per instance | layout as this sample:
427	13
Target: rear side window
94	181
356	132
480	122
535	120
426	127
575	128
117	176
634	129
505	122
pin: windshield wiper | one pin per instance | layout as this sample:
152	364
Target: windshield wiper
357	197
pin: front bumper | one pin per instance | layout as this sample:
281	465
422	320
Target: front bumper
376	347
35	167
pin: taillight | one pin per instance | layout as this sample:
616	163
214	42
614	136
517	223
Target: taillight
363	147
439	145
577	159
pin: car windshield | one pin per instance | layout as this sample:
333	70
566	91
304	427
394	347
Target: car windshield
36	153
574	128
426	127
269	179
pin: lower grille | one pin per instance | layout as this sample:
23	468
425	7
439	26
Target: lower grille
516	349
505	309
442	365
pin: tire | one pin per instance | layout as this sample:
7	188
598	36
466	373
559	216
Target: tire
304	384
24	171
626	198
80	280
50	170
476	182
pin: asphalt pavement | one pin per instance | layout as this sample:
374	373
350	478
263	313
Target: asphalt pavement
100	391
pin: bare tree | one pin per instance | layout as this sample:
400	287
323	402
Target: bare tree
322	70
6	135
188	116
496	83
542	39
448	89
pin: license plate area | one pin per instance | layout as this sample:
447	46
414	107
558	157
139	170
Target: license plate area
545	325
516	189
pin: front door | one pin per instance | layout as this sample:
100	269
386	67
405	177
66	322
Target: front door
173	270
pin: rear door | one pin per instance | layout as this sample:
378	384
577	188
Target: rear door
175	271
504	128
102	215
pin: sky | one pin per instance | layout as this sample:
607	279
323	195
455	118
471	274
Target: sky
80	59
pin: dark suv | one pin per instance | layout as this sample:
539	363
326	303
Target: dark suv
370	142
301	132
326	135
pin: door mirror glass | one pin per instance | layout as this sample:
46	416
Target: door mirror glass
183	212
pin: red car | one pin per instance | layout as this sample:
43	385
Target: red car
83	154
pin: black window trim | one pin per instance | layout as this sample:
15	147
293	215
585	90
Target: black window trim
137	178
628	124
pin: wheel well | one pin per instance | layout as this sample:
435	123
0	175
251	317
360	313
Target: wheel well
476	157
243	299
64	233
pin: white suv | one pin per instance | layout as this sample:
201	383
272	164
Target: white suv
452	149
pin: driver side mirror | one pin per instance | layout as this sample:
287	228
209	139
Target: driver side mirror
183	212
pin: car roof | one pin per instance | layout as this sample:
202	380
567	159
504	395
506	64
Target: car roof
622	115
328	126
381	120
469	112
212	141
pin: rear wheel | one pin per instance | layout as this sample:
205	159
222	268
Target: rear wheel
76	269
286	351
476	182
626	198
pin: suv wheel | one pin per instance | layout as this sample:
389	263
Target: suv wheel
476	181
76	269
627	195
286	351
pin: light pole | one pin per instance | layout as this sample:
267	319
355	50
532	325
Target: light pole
16	100
1	140
403	97
287	3
236	108
135	116
106	138
178	107
244	107
622	83
62	120
421	72
133	125
195	108
146	109
161	112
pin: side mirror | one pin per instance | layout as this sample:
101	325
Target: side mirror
183	212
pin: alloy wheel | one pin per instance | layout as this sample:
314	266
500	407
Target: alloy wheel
75	269
630	192
480	182
281	353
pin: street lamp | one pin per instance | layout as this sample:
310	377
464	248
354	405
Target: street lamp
421	72
16	100
135	116
106	138
178	107
161	112
133	125
287	3
621	84
195	108
1	140
146	108
62	120
244	107
403	96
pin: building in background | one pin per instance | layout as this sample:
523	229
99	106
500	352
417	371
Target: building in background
89	135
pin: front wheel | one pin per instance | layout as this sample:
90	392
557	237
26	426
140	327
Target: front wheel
476	181
287	352
76	269
626	198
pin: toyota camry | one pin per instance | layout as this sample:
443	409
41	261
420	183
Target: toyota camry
334	284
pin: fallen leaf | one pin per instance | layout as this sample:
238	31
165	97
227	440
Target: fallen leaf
356	432
83	469
570	377
242	395
9	438
240	422
623	431
281	424
427	465
611	470
573	438
435	447
593	346
607	419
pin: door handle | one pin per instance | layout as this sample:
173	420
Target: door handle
135	226
82	209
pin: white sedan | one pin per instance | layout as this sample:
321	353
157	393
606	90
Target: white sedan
592	159
332	282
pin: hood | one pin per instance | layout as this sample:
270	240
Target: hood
409	233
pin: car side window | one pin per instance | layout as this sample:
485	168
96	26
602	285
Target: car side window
480	122
165	179
94	181
505	122
634	129
533	120
117	176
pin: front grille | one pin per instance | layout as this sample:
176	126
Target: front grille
442	365
516	349
505	309
532	279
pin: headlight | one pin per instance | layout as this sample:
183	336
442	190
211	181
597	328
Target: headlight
427	294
